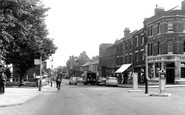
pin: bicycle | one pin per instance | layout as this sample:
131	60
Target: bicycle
58	86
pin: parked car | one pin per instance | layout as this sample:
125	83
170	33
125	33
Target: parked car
101	81
73	80
112	81
80	80
44	80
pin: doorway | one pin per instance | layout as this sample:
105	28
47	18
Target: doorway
170	73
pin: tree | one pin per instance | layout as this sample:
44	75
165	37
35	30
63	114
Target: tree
23	33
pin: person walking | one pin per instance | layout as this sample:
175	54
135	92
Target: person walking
51	81
58	81
2	81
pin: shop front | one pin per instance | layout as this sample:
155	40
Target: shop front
172	64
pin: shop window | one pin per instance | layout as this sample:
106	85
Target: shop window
182	70
157	69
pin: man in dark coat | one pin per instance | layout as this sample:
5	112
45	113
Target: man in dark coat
2	81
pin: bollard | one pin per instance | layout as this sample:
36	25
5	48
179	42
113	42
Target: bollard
135	83
162	83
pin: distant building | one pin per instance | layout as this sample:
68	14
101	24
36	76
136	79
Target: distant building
74	64
91	66
103	58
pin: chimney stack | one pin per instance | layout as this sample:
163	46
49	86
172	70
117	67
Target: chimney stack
158	10
183	5
126	32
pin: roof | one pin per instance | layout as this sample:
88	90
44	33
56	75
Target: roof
91	63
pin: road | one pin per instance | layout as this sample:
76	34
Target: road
99	100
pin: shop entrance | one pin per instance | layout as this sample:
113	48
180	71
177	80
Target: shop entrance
170	72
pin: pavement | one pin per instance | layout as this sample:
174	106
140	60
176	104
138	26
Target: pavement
151	86
18	95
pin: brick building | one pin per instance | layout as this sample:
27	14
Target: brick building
166	44
164	35
103	58
134	52
127	50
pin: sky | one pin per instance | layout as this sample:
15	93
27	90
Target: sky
82	25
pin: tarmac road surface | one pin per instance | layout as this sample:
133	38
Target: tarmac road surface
99	100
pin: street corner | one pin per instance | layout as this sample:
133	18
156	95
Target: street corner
161	94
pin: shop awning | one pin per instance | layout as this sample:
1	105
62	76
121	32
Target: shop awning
123	68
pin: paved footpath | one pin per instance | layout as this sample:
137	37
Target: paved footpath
19	95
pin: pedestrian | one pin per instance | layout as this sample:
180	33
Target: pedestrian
2	82
58	81
51	81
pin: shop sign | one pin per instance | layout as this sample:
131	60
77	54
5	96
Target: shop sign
169	57
154	59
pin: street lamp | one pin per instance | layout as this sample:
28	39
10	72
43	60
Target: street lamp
40	80
146	64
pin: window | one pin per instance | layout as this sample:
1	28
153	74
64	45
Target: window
151	49
142	40
142	55
136	41
158	47
158	28
170	46
126	45
136	56
121	59
148	31
121	47
184	46
130	58
151	30
170	27
126	59
130	44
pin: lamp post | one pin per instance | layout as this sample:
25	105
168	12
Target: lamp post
40	80
146	63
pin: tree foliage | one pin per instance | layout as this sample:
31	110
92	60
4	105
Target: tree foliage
23	33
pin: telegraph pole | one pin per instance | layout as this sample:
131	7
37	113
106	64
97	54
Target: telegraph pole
146	70
40	80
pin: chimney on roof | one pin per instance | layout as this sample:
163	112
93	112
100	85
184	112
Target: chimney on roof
158	9
126	32
183	5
